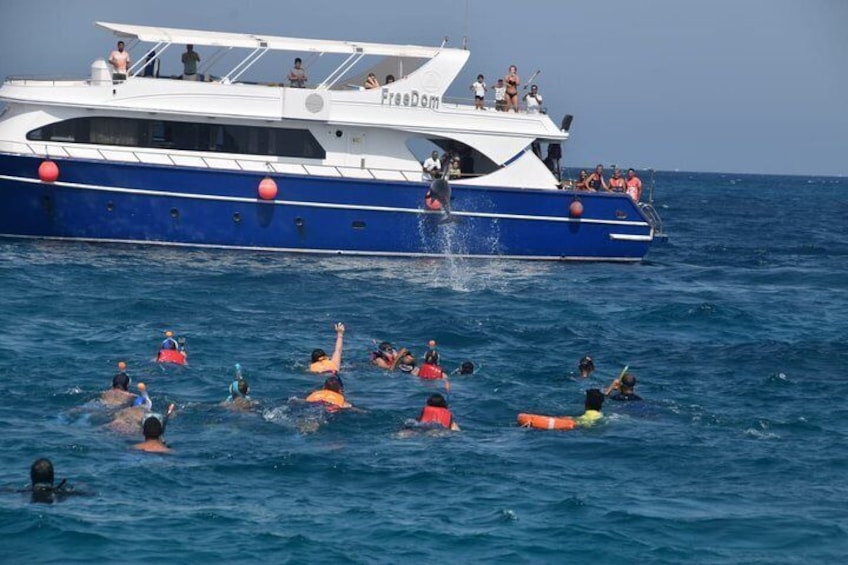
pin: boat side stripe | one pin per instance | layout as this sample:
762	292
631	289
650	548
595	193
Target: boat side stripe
326	251
322	204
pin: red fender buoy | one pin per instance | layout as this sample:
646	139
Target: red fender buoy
48	171
576	209
431	203
267	189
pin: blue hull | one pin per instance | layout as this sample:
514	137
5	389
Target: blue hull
137	203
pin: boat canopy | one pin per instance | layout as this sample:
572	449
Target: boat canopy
265	42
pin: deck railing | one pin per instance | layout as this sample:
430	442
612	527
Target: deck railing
166	158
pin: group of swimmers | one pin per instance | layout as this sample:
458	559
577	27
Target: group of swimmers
136	410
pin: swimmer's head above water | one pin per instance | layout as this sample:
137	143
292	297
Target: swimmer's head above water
586	365
594	399
437	400
318	355
334	384
152	426
41	473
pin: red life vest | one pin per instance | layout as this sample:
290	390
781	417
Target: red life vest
430	371
435	415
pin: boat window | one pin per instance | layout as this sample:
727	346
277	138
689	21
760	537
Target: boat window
188	136
472	162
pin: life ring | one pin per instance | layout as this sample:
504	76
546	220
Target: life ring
171	356
431	202
546	422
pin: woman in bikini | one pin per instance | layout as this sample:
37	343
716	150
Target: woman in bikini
512	81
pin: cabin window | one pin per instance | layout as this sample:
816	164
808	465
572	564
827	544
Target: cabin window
187	136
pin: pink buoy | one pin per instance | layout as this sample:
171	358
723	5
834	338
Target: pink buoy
48	171
267	189
576	209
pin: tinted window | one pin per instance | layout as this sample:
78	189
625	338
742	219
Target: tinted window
129	132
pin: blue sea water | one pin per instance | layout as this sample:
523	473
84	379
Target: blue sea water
736	330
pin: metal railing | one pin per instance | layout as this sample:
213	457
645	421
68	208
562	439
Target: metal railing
53	149
653	217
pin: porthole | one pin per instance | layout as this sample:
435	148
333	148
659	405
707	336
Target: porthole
110	206
298	222
358	225
237	218
175	213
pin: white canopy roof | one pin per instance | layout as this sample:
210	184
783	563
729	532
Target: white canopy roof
251	41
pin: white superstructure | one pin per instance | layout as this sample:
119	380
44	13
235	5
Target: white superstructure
364	133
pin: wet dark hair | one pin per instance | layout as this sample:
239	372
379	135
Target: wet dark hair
317	354
41	472
243	387
390	78
467	368
297	60
334	384
121	381
437	400
152	427
586	364
385	346
628	380
594	399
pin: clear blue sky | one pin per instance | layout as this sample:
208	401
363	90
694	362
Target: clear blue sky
703	85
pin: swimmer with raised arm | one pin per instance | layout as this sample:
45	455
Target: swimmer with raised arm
323	364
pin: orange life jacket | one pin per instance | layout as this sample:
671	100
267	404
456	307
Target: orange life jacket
430	371
328	397
436	415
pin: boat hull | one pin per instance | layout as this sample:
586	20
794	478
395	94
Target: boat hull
169	205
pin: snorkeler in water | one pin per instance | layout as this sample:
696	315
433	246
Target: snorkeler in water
143	400
239	390
42	484
331	395
437	413
170	342
321	363
586	366
622	389
593	404
384	355
119	394
153	428
467	368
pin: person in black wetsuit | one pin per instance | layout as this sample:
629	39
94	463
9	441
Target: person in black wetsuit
622	389
121	381
586	366
42	488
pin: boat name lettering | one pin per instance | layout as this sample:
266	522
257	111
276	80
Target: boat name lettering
411	98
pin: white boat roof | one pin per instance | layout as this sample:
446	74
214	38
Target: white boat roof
253	41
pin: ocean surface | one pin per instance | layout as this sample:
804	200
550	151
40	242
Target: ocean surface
736	329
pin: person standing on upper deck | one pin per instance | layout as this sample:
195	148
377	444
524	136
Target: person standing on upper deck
297	76
512	81
479	88
190	60
533	100
120	61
